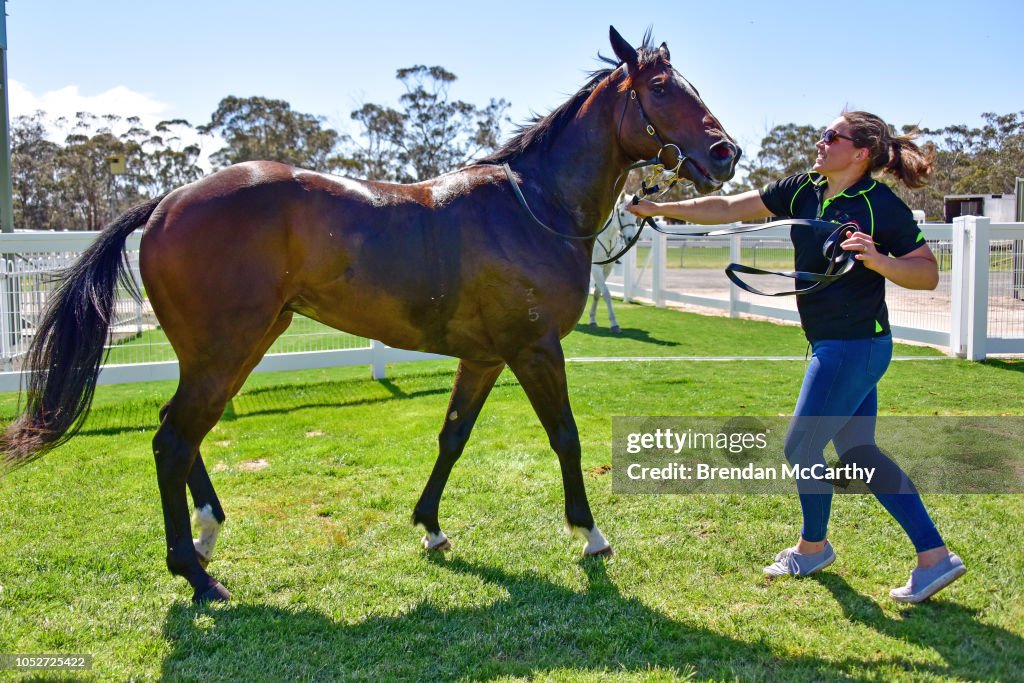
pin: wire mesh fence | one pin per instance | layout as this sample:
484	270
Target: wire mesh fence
29	280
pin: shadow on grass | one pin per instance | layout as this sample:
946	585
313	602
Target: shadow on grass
971	650
1010	365
144	415
633	334
538	628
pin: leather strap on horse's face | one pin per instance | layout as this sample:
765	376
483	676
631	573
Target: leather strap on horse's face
653	132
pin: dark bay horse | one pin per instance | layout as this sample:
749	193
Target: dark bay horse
455	265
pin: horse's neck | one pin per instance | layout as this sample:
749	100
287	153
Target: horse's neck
579	168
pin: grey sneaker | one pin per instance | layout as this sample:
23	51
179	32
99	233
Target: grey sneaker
924	583
791	563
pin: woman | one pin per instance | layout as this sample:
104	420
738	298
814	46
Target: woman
847	325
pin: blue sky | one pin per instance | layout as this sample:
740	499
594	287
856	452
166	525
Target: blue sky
756	64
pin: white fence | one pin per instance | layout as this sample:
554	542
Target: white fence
977	309
138	350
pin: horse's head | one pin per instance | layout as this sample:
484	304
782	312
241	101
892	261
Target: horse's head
663	116
625	222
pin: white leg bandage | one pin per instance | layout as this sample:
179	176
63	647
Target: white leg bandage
436	541
596	542
209	527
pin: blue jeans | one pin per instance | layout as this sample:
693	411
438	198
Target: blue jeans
838	402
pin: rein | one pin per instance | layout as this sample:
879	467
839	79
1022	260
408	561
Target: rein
840	261
628	244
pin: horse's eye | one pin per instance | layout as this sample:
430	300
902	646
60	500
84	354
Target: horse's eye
658	89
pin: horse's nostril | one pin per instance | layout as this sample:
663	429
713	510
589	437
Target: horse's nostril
721	151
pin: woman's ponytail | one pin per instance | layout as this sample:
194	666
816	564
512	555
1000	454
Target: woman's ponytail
897	155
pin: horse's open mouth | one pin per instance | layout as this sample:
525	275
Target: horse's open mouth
702	180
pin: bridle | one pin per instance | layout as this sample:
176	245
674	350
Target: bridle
655	161
840	262
610	253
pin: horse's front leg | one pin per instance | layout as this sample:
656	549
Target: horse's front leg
473	383
608	301
595	274
600	276
540	369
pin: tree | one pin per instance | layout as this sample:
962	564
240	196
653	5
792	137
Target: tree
983	160
33	177
430	135
172	162
256	128
71	186
383	130
786	150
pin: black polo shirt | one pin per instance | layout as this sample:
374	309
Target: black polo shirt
852	307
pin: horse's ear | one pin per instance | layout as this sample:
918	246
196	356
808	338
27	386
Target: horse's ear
663	50
623	50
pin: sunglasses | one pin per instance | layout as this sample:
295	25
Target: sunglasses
828	136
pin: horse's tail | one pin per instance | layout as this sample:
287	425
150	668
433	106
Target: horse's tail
63	359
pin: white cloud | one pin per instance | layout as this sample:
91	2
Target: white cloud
120	100
68	101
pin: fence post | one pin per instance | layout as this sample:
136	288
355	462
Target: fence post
735	256
957	288
977	333
377	370
659	244
969	295
7	347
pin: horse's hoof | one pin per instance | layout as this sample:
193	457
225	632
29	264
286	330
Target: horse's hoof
593	324
438	543
215	593
603	552
616	329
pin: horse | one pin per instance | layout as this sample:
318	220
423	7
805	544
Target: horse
227	261
619	231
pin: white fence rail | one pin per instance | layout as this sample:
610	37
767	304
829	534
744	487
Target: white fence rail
138	350
977	309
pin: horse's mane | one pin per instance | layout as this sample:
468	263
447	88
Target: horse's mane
543	129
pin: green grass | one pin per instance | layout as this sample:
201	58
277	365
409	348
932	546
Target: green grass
718	257
329	581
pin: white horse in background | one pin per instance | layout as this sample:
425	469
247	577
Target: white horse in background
620	230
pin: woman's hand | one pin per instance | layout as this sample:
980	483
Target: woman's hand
643	209
916	270
863	248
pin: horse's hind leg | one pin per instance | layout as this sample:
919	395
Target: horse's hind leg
189	416
473	382
203	391
209	515
541	372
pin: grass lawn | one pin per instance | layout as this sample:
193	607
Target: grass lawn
318	472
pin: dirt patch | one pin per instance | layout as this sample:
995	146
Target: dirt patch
253	465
